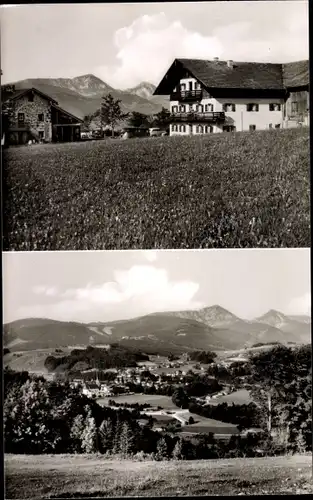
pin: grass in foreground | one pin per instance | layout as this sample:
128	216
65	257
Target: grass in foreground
228	190
89	476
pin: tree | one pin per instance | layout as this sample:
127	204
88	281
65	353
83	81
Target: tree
127	439
270	371
111	112
161	451
191	420
178	450
89	438
106	434
163	118
87	121
138	119
180	398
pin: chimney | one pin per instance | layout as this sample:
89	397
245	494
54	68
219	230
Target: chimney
215	59
230	63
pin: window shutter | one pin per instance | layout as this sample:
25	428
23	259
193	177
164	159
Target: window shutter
233	107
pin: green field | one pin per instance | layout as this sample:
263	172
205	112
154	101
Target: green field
152	399
227	190
48	476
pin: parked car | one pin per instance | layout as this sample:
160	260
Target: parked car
97	134
85	136
157	132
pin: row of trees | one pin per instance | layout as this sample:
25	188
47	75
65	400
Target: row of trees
111	114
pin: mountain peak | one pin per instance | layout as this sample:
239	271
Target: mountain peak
143	89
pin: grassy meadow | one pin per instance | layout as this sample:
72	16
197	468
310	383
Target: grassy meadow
227	190
75	476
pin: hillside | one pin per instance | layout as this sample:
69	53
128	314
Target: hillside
81	476
82	95
180	200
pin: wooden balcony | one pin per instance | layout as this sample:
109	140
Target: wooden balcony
186	95
211	117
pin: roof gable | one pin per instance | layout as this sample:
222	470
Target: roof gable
242	75
18	93
62	110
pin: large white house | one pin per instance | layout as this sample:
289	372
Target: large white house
224	96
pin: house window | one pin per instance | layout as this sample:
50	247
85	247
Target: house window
208	108
182	108
208	129
21	117
174	128
199	129
275	107
41	117
228	107
252	107
277	125
31	97
182	128
229	128
182	86
252	127
294	107
270	125
174	109
199	108
198	86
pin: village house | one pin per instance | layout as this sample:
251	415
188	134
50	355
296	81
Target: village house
225	96
29	114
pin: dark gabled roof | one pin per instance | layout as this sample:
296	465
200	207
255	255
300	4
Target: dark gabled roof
16	94
242	75
62	110
216	74
296	74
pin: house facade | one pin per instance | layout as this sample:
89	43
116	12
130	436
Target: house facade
32	115
224	96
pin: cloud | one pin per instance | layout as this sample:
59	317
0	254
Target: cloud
147	47
301	305
45	290
150	255
142	289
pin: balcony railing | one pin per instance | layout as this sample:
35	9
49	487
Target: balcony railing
213	117
186	95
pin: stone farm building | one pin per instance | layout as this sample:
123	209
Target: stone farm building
30	114
224	96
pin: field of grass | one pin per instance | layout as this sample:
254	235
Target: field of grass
152	399
241	397
47	476
228	190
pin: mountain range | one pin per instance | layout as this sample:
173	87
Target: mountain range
82	95
210	328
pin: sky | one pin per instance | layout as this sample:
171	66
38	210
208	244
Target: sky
124	44
113	285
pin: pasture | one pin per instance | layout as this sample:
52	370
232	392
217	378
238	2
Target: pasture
220	191
57	476
152	399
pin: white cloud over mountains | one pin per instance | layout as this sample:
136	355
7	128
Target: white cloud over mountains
141	289
147	47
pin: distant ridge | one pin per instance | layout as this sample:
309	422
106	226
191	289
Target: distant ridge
161	333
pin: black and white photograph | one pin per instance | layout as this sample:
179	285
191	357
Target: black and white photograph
156	291
167	373
155	125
